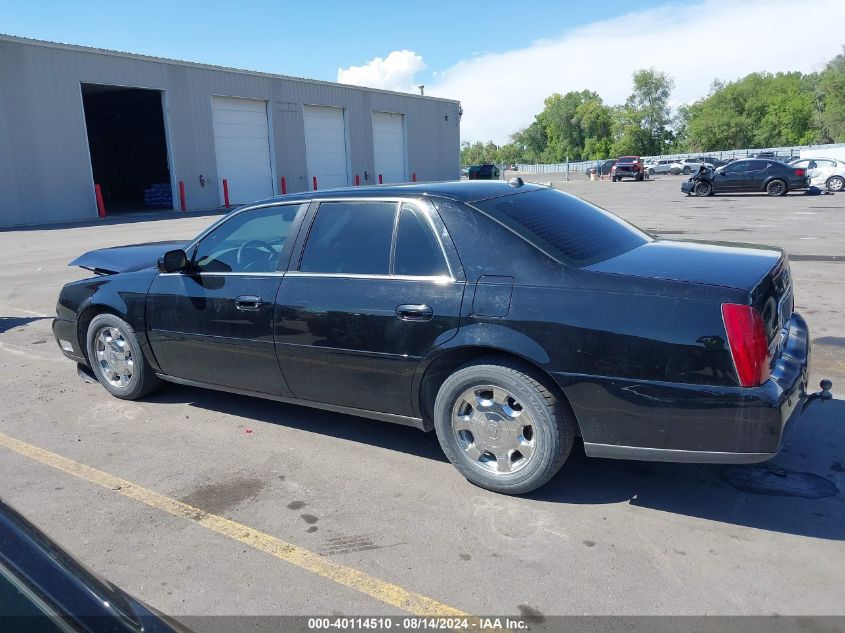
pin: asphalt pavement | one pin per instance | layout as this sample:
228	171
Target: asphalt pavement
397	527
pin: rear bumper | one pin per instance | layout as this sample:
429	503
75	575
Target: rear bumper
654	421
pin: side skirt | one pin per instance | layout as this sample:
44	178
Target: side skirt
361	413
613	451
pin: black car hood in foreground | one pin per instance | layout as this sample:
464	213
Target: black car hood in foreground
125	259
730	266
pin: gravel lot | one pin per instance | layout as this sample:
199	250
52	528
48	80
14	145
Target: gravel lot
604	537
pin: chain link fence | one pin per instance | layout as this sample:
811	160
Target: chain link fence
582	166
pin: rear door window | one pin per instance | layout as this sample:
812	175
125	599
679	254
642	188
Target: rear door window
418	251
350	238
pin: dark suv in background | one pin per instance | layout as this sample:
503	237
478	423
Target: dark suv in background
484	172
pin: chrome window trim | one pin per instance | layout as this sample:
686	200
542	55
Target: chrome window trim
420	204
435	278
275	273
195	242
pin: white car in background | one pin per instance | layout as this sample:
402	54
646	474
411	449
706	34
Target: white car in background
824	172
688	166
658	166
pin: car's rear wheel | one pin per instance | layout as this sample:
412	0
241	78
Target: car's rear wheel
776	188
835	183
502	428
686	171
703	189
117	360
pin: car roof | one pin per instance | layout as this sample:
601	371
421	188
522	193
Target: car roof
461	190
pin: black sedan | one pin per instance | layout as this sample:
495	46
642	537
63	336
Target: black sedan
45	590
751	175
508	317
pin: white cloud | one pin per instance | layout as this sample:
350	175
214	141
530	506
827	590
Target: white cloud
725	39
394	72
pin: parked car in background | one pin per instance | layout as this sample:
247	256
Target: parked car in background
44	589
507	317
486	171
773	156
823	172
628	167
773	177
660	166
604	168
688	166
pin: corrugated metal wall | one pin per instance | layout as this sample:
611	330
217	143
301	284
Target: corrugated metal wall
45	170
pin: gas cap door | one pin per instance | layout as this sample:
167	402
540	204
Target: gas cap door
492	296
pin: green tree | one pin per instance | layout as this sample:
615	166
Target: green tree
829	101
759	110
643	123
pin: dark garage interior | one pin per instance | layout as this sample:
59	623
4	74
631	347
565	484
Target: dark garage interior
128	148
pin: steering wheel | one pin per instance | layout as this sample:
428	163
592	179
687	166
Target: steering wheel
255	245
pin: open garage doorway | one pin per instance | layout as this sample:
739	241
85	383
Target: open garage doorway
128	147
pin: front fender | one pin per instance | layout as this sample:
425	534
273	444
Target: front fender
123	295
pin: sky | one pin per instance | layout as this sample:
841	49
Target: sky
500	59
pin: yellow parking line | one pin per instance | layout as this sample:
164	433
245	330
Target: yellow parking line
381	590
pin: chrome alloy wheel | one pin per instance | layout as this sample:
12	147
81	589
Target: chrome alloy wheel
493	431
114	356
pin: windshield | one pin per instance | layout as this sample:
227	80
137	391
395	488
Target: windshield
564	227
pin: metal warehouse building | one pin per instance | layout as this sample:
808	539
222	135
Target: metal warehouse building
139	127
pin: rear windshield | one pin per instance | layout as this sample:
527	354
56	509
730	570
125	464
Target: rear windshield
626	159
566	228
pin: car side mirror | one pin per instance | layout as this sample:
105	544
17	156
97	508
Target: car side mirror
172	261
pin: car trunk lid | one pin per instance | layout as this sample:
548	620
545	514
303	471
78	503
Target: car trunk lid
728	265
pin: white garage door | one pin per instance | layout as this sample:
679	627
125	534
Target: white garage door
389	146
242	144
325	146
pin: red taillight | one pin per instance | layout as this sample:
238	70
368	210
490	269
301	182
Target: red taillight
800	173
747	340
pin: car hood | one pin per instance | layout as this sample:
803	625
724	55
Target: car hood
739	266
124	259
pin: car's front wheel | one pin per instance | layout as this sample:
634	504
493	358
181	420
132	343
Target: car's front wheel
776	188
686	171
703	188
835	183
502	428
117	360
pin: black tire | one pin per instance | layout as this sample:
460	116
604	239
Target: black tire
776	187
835	183
686	171
638	177
552	428
140	378
703	188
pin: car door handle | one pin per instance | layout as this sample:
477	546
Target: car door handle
414	312
248	302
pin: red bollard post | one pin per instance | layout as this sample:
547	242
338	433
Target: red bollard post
379	179
182	195
226	193
101	208
357	180
284	186
315	182
414	177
